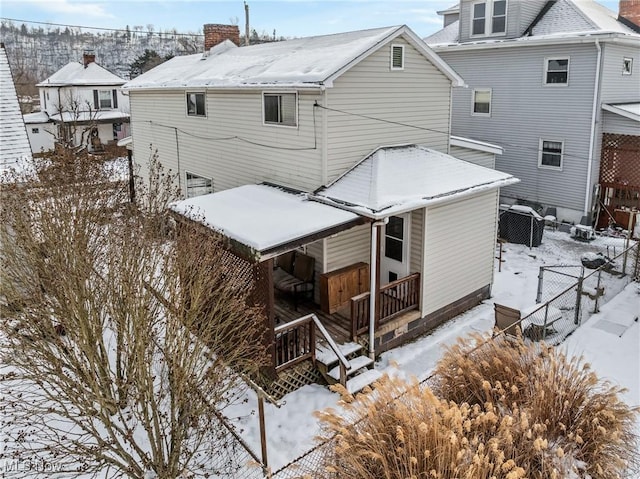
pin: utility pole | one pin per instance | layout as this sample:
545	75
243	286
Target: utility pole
246	24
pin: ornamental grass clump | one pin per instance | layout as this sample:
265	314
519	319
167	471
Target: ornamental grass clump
499	409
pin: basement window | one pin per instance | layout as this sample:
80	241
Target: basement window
397	57
196	104
198	185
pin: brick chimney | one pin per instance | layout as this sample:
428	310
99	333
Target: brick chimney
215	34
629	13
88	56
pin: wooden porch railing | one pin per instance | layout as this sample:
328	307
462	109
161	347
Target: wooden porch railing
296	342
394	299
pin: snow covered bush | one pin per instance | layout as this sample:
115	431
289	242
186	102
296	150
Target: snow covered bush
497	409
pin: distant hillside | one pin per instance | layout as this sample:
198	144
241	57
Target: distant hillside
38	52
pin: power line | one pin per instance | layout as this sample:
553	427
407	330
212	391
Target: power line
399	123
102	28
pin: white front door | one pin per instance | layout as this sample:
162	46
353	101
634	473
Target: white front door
394	262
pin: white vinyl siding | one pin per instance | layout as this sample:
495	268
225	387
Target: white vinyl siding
523	110
214	146
482	158
617	86
415	251
349	247
456	265
619	125
420	97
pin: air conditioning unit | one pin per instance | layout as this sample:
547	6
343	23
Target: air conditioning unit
583	233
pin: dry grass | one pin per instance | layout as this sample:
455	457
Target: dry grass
504	410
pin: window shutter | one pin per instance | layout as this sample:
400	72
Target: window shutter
96	103
115	98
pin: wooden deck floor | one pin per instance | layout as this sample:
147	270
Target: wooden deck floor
338	326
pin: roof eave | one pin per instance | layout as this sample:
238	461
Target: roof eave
621	112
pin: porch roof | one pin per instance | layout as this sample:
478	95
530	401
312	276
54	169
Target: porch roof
397	179
268	219
627	110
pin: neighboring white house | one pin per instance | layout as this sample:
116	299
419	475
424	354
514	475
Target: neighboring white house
81	104
557	85
312	118
14	144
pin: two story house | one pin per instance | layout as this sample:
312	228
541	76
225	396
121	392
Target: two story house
557	85
81	104
329	157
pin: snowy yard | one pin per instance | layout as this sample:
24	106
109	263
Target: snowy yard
292	429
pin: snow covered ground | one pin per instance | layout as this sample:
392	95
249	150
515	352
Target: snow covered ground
292	429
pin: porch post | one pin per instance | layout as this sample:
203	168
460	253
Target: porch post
374	281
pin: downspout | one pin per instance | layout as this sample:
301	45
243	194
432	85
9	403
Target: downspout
592	141
324	167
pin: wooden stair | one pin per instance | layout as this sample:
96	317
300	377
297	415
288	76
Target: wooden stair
360	373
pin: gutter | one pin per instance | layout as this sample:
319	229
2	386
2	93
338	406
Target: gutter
592	140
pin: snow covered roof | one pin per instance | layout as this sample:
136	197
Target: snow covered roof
472	144
301	62
565	19
397	179
14	143
74	73
265	217
82	116
37	117
627	110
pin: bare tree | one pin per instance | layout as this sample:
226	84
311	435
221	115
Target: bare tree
121	334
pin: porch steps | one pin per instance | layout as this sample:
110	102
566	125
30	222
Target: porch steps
359	375
357	363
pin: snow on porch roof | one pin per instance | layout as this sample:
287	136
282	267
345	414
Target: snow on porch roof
394	180
265	217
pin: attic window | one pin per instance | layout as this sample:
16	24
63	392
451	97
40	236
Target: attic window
280	109
397	57
196	104
627	66
489	18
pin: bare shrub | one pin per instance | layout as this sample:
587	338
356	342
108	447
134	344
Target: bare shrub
502	410
115	360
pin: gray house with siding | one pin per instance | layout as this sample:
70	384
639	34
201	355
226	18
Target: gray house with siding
557	85
268	142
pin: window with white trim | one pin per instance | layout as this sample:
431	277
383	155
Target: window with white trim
556	71
489	18
196	104
198	185
550	155
397	57
627	66
280	109
481	102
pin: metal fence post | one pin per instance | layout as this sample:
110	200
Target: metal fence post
576	319
595	307
540	281
263	434
531	233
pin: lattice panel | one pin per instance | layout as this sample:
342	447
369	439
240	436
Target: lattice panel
620	160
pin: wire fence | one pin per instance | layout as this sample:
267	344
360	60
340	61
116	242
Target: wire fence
567	296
